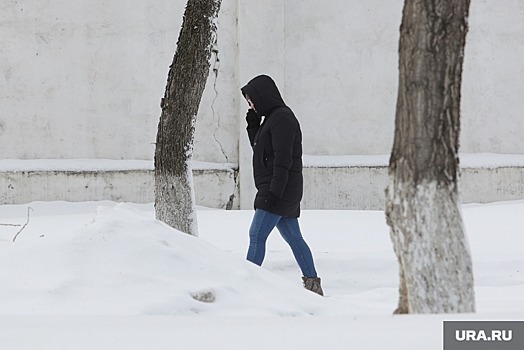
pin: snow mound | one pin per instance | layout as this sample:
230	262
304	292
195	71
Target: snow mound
124	262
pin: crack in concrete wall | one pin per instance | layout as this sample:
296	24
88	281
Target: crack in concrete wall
216	67
230	203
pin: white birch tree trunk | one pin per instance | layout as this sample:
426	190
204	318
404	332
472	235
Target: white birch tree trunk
422	199
174	192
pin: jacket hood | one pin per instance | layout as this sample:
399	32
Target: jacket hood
264	94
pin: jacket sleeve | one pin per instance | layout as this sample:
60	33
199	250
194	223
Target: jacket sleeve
283	133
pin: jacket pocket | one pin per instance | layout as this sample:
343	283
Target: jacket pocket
268	161
264	160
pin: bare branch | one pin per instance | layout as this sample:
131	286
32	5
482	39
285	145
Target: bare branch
23	227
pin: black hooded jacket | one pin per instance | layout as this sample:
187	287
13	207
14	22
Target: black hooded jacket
277	149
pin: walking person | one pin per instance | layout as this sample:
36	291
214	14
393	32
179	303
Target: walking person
277	171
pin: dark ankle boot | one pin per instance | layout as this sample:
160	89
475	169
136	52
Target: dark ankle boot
313	284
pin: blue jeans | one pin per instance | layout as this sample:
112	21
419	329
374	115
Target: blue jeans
263	223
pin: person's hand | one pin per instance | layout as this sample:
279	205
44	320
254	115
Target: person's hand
271	200
252	118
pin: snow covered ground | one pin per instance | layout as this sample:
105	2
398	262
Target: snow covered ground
104	275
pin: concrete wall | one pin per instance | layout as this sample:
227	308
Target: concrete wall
83	78
362	187
493	88
350	184
24	181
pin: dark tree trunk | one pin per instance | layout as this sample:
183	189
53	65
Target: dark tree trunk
422	206
174	195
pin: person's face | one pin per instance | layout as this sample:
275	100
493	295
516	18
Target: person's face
250	103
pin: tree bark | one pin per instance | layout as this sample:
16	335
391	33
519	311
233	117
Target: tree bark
174	193
422	204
